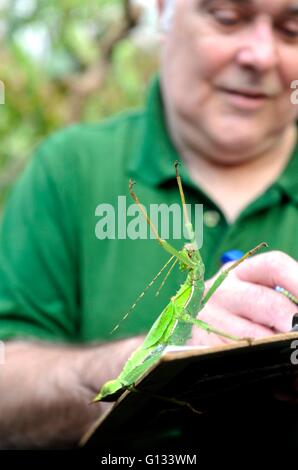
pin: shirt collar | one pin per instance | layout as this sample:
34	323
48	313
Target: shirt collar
288	180
153	161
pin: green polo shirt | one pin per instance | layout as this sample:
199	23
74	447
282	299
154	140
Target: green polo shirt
59	281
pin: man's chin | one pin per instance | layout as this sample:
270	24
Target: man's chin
236	148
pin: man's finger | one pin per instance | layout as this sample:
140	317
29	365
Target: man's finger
270	269
233	324
259	304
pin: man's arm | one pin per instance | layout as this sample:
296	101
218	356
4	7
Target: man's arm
46	390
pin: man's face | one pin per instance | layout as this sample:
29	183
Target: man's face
227	68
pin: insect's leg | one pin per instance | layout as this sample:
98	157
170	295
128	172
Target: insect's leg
173	400
165	245
184	316
187	222
166	276
141	295
224	273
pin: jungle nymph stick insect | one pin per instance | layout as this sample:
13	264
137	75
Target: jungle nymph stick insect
174	324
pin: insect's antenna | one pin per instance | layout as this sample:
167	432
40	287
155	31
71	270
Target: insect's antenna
142	294
166	277
187	221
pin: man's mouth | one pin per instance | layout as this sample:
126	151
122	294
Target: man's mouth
247	93
245	98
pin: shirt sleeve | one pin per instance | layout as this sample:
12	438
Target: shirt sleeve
39	294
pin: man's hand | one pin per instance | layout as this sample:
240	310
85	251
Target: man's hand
46	390
246	304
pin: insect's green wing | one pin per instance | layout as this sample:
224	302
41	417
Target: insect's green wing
189	301
161	328
144	356
162	333
182	331
167	329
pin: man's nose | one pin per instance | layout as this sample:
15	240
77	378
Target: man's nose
258	50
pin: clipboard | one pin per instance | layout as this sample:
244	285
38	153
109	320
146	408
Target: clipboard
227	387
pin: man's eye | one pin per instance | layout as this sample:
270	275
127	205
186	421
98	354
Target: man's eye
226	16
289	29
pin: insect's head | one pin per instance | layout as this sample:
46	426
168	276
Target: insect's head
189	250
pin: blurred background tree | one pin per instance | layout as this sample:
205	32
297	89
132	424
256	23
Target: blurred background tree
64	61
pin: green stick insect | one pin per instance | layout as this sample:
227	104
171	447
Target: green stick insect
174	324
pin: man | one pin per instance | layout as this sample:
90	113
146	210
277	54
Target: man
225	110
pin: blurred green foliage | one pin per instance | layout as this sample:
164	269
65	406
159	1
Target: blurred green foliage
64	61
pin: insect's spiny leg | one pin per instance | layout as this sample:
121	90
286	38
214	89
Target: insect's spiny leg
142	294
287	294
166	276
184	316
173	400
246	255
224	273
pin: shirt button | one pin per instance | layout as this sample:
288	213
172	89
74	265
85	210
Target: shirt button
211	218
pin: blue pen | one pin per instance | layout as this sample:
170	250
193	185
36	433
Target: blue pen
234	255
